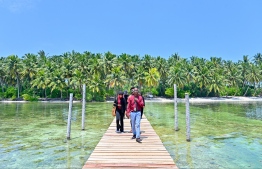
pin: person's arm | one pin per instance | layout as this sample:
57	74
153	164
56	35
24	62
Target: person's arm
140	101
128	107
123	104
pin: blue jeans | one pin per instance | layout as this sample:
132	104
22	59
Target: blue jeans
135	119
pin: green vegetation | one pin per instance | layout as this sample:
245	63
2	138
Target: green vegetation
37	76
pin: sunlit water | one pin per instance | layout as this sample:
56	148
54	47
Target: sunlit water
223	135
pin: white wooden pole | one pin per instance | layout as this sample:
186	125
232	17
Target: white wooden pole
69	116
175	107
187	118
83	107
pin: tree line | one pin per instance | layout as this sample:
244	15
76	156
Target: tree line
38	76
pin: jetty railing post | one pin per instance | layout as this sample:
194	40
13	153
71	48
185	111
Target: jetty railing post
83	107
175	107
187	117
69	116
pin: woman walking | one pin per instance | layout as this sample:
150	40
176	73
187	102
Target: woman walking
120	104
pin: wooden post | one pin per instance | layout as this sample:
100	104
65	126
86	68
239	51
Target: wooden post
175	106
187	117
69	116
83	107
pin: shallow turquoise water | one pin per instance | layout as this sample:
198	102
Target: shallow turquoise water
33	135
223	135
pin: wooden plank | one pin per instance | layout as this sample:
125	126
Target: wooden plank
103	153
118	150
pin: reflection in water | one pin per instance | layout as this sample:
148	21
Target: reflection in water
254	112
68	161
188	155
34	134
224	135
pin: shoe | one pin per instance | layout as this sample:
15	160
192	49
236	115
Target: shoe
134	136
118	131
138	140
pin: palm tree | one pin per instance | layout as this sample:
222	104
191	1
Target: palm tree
202	76
254	76
116	79
177	75
78	79
152	77
57	81
147	62
14	68
108	61
127	64
245	65
96	84
189	71
162	67
138	77
232	74
42	80
84	66
42	57
216	84
258	58
173	59
30	68
2	73
94	64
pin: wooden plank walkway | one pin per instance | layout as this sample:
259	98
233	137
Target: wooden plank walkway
118	150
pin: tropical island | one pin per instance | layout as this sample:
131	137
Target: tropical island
34	77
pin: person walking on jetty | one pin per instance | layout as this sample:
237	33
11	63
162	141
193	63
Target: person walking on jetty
135	103
120	104
128	113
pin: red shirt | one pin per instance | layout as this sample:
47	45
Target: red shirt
132	105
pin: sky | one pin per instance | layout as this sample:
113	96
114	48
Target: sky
228	29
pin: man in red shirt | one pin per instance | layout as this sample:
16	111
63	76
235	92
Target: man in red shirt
135	104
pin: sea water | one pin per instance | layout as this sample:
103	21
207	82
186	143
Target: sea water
223	135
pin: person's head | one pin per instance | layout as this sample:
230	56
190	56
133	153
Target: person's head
135	91
131	90
125	92
120	94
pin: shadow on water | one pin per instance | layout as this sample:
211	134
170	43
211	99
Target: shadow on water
223	135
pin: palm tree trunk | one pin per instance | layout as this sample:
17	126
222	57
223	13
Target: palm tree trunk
246	91
235	92
18	89
255	92
2	86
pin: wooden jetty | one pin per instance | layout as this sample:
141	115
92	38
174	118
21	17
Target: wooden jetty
118	150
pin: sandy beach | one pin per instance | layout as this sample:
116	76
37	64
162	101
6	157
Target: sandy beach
161	99
209	99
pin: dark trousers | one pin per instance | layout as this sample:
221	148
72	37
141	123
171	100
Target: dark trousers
120	121
142	110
